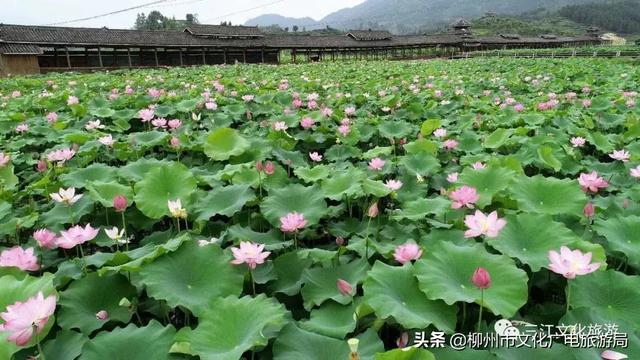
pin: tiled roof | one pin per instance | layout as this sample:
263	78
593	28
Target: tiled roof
224	31
19	49
369	35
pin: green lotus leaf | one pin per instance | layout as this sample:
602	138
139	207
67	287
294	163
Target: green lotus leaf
420	208
395	129
428	126
445	271
331	319
8	180
343	184
311	175
136	170
192	276
420	164
622	236
149	139
104	192
230	326
289	268
186	106
525	239
546	155
294	343
64	214
497	138
85	297
66	346
550	196
375	188
488	181
13	290
81	177
102	112
168	181
308	201
225	143
406	354
132	343
320	284
392	291
613	294
225	201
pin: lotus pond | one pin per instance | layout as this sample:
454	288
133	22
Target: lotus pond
265	212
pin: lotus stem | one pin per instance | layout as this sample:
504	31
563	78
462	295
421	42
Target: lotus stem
40	352
124	228
480	313
568	294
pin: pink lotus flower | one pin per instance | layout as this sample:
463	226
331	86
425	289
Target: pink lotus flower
612	355
350	111
592	182
478	165
373	210
76	235
247	98
41	166
292	222
481	278
210	105
315	156
453	177
464	196
20	258
307	122
174	124
518	107
621	155
450	144
407	252
571	263
250	254
4	159
67	197
280	126
120	203
578	141
174	142
344	130
94	124
481	224
159	123
146	115
61	155
589	210
630	103
52	117
72	100
586	103
269	168
22	128
102	315
16	94
154	93
439	133
403	340
376	164
635	172
344	287
45	238
21	320
393	184
106	140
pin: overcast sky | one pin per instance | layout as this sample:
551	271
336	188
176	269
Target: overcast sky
43	12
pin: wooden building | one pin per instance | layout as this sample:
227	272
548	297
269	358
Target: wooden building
39	49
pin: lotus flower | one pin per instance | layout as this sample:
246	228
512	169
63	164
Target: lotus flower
571	263
292	222
176	209
250	254
589	210
612	355
52	117
61	155
20	258
450	144
578	141
45	238
315	156
453	177
440	133
635	172
146	115
407	252
21	320
67	197
393	184
621	155
592	182
478	165
464	196
344	287
174	124
307	122
481	224
102	315
22	128
94	124
116	235
280	126
4	159
76	235
481	278
269	168
376	164
120	203
72	100
106	140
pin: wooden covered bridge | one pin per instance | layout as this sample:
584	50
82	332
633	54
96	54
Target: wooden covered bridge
28	49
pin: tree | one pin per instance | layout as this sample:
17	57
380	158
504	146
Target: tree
295	28
192	19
